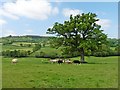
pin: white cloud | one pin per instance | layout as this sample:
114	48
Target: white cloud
105	23
7	14
35	9
2	22
67	12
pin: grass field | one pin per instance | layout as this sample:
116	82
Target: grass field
48	50
13	47
39	73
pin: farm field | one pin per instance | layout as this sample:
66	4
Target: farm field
39	73
13	47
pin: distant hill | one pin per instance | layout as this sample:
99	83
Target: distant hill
26	38
113	42
32	36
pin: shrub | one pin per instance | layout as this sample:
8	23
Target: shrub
51	55
37	47
101	54
15	53
39	54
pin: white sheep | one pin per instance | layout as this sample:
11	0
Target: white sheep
14	61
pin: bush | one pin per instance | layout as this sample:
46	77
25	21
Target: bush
51	55
37	47
101	54
106	53
15	53
0	53
39	54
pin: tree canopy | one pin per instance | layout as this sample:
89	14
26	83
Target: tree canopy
80	33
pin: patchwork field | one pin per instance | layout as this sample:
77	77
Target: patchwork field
39	73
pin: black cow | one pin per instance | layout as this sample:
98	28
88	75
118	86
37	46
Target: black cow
60	61
76	61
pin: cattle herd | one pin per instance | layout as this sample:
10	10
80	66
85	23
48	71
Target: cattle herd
60	61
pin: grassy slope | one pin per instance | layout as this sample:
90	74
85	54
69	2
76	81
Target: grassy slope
49	50
33	72
13	47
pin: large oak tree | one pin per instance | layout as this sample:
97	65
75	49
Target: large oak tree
81	33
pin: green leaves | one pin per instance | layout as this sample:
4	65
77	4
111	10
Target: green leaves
81	31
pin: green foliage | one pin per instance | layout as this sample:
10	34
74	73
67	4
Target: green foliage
101	54
56	43
105	50
21	44
15	53
39	54
80	33
27	38
7	42
113	42
37	47
52	55
117	49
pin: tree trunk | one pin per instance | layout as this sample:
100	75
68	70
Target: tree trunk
82	56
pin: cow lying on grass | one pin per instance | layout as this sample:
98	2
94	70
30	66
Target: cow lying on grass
76	61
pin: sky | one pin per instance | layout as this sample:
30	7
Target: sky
34	17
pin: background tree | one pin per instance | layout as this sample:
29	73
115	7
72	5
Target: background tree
117	50
80	33
21	44
37	47
113	42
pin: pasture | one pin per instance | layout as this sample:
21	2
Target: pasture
39	73
49	50
14	47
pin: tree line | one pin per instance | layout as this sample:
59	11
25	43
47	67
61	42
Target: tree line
16	53
103	51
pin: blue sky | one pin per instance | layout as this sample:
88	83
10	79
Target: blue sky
23	17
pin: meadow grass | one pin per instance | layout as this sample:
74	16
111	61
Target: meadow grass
13	47
49	50
39	73
18	43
